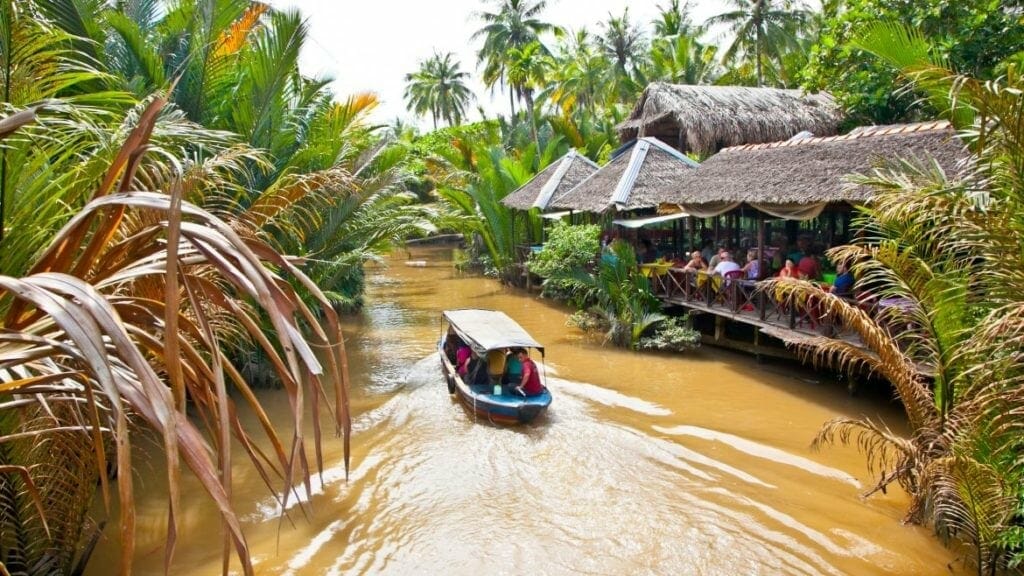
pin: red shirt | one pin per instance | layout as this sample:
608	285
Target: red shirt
808	266
531	379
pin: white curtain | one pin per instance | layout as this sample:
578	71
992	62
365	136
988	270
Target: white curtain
708	210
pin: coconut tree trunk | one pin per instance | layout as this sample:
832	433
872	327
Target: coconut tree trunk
759	39
528	94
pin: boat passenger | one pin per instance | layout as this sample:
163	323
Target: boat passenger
530	384
513	369
495	365
462	357
451	346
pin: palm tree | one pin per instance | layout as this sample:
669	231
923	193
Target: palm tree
514	25
949	245
762	32
624	299
674	20
623	42
578	75
682	60
526	72
475	174
438	88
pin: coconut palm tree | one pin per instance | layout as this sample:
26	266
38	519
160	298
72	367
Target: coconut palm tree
578	75
514	25
527	68
438	88
683	60
762	32
674	20
623	42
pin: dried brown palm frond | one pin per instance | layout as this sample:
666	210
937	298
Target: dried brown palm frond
890	456
887	358
126	310
971	502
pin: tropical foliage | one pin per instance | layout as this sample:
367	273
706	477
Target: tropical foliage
973	37
175	198
439	89
625	305
948	246
567	248
763	33
671	335
472	178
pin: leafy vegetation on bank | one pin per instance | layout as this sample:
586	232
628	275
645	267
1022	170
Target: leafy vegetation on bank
567	249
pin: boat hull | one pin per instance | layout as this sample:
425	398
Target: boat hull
495	408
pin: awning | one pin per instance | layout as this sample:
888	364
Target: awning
556	215
640	222
487	330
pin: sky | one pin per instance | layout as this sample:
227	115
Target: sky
370	45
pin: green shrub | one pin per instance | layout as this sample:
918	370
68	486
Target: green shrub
587	321
568	248
671	334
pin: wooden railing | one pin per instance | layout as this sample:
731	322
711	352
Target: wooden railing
736	295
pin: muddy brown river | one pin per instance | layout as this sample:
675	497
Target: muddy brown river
644	464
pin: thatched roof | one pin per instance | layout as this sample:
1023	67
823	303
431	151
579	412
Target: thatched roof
811	170
705	119
626	181
558	177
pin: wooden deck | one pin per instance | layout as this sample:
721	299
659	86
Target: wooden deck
739	300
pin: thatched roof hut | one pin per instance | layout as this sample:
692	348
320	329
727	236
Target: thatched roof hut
626	181
557	178
705	119
808	171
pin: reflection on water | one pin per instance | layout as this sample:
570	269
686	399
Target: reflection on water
656	464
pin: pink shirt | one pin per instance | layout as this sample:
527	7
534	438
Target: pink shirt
462	359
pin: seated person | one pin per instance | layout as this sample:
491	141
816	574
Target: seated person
752	268
696	262
513	369
462	357
809	268
843	286
788	270
529	384
717	257
451	346
725	265
495	365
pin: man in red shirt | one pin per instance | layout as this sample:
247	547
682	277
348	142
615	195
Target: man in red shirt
530	385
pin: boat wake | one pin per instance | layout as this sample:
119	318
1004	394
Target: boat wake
437	491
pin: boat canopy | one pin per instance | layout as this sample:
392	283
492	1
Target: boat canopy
487	330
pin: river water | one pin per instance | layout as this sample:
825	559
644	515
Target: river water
644	464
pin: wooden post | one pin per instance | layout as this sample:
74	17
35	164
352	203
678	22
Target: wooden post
719	327
762	268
